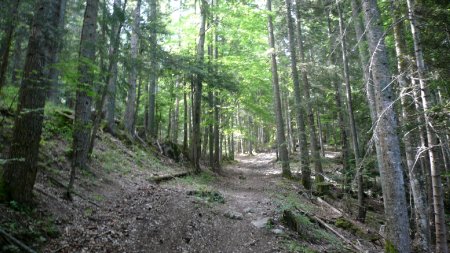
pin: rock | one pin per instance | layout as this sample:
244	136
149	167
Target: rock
277	231
234	215
248	210
261	223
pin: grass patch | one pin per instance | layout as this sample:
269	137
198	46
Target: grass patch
297	247
208	195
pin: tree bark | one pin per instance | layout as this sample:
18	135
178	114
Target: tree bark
131	98
197	87
321	188
82	122
281	139
20	171
397	222
217	150
351	117
416	176
438	195
153	72
6	45
116	29
304	152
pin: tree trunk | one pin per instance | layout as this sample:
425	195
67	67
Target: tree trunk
185	123
175	115
423	234
397	223
197	101
359	175
54	72
131	98
116	29
6	45
310	116
438	195
211	129
304	152
281	139
20	171
153	72
82	123
216	162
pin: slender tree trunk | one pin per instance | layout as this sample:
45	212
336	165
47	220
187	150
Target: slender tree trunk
423	234
116	29
217	150
321	188
175	115
131	98
6	45
438	195
196	110
211	129
304	152
397	234
20	171
82	123
185	122
319	128
250	135
54	73
153	72
351	117
281	139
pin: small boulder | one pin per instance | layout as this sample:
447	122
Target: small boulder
234	215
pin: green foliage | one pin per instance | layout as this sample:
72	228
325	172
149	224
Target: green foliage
389	247
295	246
57	122
9	97
208	195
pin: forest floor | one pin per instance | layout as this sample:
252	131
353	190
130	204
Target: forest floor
118	208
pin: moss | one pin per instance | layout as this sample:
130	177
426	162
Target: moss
346	225
389	247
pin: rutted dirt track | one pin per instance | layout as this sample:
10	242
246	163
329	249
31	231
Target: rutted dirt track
137	216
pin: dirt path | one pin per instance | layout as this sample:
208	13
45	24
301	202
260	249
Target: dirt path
138	216
186	224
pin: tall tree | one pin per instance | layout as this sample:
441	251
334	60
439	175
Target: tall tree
436	181
308	104
7	40
281	138
197	90
152	126
82	122
397	223
131	98
114	42
20	171
304	152
416	176
351	117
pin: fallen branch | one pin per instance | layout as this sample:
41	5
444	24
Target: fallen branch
158	179
12	239
330	228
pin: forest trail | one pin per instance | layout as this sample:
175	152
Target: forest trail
140	216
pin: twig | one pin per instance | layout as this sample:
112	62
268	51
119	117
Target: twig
16	241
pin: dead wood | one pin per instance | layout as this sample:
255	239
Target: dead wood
158	179
15	241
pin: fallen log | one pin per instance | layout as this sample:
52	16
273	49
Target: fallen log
158	179
331	229
15	241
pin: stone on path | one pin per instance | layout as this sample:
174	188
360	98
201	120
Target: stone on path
234	215
261	223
